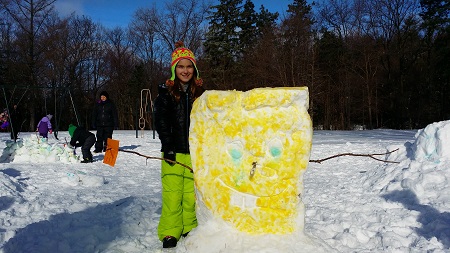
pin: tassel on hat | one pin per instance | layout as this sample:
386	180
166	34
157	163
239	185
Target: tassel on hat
179	53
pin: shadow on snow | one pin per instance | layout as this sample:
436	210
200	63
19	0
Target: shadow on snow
87	231
434	223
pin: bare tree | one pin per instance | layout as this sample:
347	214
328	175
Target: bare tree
337	15
148	49
181	20
394	23
30	17
121	65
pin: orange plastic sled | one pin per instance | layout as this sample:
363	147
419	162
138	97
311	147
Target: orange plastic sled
112	150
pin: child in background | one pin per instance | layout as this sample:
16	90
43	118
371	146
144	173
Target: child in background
84	139
4	118
44	126
16	121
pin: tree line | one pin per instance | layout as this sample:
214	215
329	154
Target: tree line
368	64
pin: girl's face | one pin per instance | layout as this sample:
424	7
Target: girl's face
184	70
102	98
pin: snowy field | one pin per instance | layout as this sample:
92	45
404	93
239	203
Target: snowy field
353	204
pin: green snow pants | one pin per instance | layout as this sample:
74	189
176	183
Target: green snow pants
178	199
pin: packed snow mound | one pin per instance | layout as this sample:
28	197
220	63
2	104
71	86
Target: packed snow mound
38	150
10	189
423	166
419	182
432	142
82	178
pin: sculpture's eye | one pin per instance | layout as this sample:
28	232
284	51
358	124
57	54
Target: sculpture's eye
235	150
275	151
275	148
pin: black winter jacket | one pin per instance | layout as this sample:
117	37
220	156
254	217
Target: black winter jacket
172	120
15	118
79	137
105	114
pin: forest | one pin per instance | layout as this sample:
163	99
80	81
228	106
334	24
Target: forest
368	64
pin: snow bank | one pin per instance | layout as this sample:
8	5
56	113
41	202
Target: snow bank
420	181
422	166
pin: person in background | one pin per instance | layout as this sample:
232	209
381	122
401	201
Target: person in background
172	110
4	119
45	126
15	120
80	137
105	120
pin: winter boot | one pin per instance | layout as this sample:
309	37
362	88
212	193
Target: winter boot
86	160
169	242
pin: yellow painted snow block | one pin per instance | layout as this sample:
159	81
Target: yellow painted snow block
249	152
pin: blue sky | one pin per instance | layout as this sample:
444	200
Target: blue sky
112	13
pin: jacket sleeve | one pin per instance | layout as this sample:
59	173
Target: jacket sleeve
163	111
73	142
75	138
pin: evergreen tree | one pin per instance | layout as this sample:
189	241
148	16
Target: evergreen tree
436	23
233	31
222	38
435	14
247	24
296	43
265	21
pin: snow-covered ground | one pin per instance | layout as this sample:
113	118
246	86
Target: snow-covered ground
353	204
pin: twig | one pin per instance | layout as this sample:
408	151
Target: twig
254	165
158	158
351	154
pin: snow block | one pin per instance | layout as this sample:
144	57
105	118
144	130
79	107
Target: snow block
249	152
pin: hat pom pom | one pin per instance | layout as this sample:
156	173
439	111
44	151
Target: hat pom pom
169	83
199	82
179	44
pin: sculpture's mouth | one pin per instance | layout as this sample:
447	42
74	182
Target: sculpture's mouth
246	200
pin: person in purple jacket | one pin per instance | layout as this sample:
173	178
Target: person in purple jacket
45	126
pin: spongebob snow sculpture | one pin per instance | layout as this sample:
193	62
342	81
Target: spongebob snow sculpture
249	152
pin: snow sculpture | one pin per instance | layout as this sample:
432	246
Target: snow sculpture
249	152
39	150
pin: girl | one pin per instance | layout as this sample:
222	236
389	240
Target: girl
172	110
45	126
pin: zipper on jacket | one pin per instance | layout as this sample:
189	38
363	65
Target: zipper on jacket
187	117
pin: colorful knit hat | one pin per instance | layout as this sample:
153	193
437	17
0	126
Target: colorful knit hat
179	53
